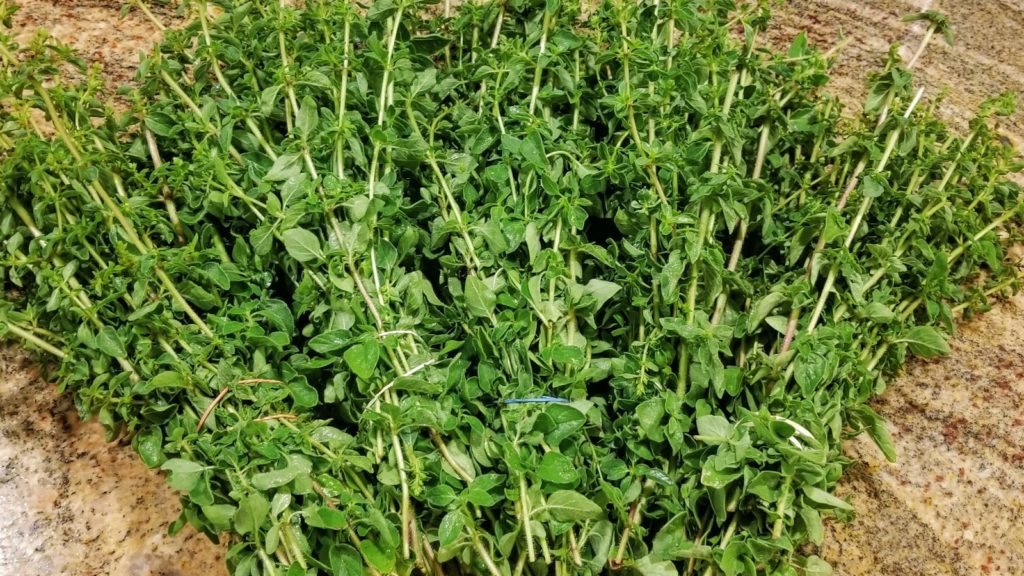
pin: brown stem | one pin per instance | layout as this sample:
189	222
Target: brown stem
224	392
787	340
633	518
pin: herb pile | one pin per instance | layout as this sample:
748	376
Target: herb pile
520	287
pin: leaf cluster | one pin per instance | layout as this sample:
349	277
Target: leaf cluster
517	288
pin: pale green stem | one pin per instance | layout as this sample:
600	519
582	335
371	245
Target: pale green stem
524	507
28	336
858	219
538	71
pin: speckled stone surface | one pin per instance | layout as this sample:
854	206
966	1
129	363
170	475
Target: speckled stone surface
72	504
954	503
987	56
952	506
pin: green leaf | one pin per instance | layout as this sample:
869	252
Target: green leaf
330	341
532	150
409	151
763	308
823	498
182	474
650	414
876	429
150	446
571	506
307	119
714	476
480	299
302	245
220	516
329	518
813	524
286	166
362	358
874	185
160	124
815	566
713	429
379	10
480	490
167	380
345	560
251	513
732	381
647	566
558	422
381	559
731	561
451	528
811	370
602	291
262	239
268	99
425	81
144	311
494	236
669	277
274	479
672	542
562	354
925	341
878	312
532	238
557	469
799	46
680	327
304	395
280	316
108	342
353	239
280	503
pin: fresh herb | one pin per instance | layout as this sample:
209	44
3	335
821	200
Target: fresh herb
512	288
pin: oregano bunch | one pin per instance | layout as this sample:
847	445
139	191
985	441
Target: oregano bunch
511	287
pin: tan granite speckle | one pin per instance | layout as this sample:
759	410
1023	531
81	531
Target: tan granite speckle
987	56
953	503
72	503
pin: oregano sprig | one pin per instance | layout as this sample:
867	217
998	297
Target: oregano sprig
505	288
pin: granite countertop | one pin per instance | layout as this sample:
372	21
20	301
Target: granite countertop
952	505
74	504
954	502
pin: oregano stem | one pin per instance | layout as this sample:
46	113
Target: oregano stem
28	336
